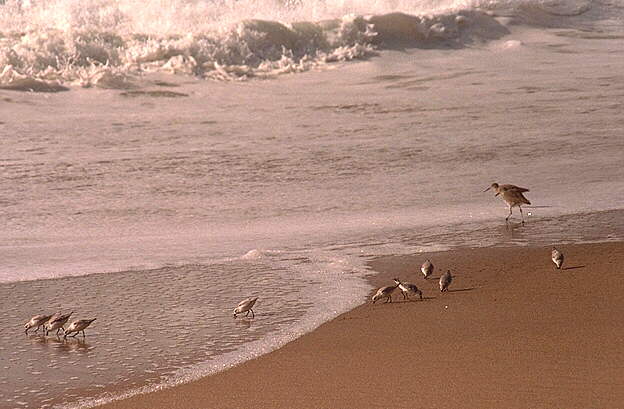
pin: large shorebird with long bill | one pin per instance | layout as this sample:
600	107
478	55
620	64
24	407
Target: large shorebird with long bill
512	195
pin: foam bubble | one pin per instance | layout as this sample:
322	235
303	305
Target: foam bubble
252	255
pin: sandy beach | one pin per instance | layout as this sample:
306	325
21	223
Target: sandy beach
162	161
512	332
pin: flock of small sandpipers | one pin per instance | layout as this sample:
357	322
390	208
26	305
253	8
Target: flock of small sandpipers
57	322
511	194
408	289
514	197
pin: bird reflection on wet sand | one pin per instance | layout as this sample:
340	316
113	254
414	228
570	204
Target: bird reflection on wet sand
60	345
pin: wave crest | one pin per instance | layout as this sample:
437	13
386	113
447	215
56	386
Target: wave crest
103	42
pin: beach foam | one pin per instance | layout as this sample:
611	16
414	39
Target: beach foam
97	43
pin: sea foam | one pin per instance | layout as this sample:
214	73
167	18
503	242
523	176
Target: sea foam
102	43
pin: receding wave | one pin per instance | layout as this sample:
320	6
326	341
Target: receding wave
49	45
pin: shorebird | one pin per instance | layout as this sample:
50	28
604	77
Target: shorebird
512	195
407	289
36	321
52	318
427	269
445	281
384	292
57	322
557	257
77	326
245	307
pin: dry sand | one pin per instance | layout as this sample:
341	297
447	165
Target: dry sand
513	332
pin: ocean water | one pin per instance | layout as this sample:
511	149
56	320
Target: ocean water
163	160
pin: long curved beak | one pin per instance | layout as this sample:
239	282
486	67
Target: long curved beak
487	189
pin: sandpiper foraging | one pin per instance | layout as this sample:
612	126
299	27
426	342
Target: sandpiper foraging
245	306
77	326
557	257
57	322
445	281
512	195
384	292
407	289
427	268
36	321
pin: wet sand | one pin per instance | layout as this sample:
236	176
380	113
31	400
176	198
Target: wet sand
513	332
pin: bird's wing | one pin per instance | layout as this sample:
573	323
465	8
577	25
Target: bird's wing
514	187
247	301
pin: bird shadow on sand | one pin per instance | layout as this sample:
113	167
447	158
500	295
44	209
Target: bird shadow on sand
572	268
416	299
460	290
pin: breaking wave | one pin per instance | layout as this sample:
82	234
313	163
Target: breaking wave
49	45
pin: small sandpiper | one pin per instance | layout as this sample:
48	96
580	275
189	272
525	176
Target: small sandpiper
245	307
427	269
57	322
445	281
36	321
384	292
557	257
77	326
407	289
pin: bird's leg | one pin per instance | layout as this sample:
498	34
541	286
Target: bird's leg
521	214
253	315
83	334
509	215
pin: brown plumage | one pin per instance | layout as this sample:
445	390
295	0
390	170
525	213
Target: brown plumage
77	326
512	195
384	292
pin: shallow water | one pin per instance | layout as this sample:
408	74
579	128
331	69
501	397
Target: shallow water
149	325
158	201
